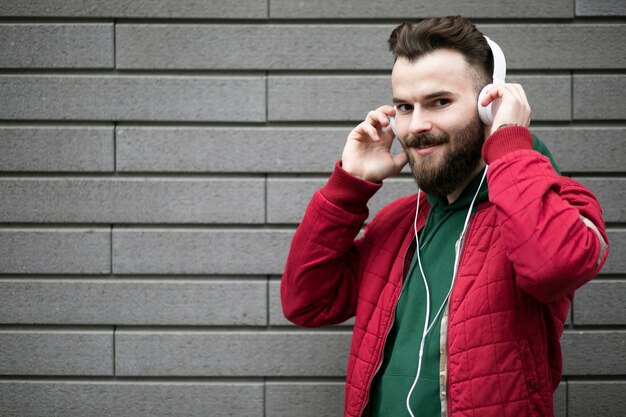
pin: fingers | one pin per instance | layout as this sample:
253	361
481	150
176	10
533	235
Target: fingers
366	153
400	161
513	107
368	130
374	123
380	116
501	90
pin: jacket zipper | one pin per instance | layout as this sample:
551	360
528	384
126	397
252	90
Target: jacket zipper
410	249
459	262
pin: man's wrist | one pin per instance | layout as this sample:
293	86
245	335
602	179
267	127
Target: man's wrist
347	191
503	141
506	125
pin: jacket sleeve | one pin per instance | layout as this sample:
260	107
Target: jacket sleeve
320	284
552	226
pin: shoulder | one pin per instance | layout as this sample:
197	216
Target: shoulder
398	208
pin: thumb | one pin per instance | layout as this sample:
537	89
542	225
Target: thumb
400	161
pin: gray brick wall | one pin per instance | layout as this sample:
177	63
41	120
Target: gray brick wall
157	155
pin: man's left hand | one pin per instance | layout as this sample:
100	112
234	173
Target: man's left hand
513	109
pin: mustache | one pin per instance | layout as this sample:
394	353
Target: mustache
426	140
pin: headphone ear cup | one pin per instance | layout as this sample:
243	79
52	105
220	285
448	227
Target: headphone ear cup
485	113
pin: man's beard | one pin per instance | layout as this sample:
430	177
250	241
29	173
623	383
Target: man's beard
461	158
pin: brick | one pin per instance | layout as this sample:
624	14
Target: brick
616	262
325	97
560	400
408	11
259	47
601	302
200	251
133	302
611	192
599	97
149	98
122	398
596	398
581	352
56	45
132	200
56	352
565	46
276	316
250	150
582	149
336	98
600	8
224	9
194	353
52	251
56	149
345	98
304	399
287	199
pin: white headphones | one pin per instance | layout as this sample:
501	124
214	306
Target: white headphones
499	73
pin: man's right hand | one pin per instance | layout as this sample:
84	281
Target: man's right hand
366	154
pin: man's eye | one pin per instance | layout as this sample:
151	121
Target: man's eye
441	102
404	108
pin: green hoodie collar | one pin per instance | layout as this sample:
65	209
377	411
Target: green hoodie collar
465	199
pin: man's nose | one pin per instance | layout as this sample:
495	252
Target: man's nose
420	123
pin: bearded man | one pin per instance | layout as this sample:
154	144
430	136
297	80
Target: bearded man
460	291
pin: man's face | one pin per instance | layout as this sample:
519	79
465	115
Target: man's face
437	121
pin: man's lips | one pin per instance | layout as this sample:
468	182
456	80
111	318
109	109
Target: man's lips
426	150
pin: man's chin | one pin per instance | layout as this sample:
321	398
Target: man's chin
425	167
426	158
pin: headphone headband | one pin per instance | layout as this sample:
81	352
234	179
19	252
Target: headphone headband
499	63
499	73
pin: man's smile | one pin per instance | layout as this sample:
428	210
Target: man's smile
427	150
426	144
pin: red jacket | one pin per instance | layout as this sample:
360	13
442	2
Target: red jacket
540	237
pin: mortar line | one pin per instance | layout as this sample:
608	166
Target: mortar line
571	86
113	350
266	202
114	44
267	301
566	397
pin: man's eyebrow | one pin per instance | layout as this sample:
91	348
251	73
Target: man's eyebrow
436	94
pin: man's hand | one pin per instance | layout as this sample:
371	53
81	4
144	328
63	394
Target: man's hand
367	151
513	108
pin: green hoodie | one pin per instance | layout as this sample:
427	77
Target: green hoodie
437	239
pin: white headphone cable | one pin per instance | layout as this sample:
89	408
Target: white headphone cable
425	331
457	248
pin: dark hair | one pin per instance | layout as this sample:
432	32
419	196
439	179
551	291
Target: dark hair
413	41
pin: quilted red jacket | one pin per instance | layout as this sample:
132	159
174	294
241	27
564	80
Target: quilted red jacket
538	238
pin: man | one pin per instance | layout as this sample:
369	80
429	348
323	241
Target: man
455	315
